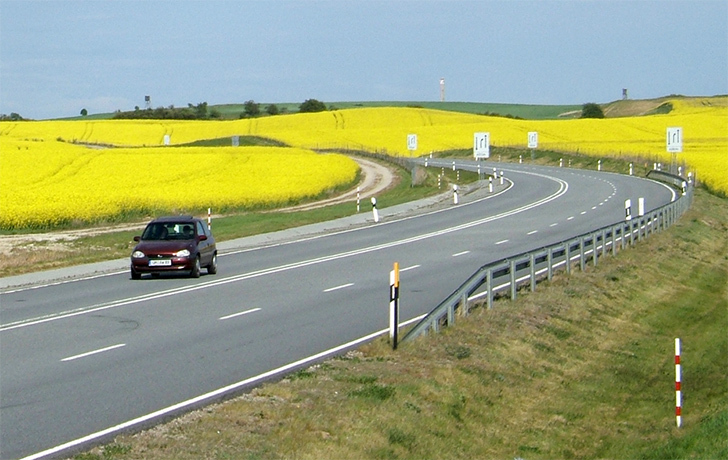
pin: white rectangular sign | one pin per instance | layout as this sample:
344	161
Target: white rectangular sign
532	140
674	140
481	145
412	142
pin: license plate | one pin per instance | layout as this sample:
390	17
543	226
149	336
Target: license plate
160	263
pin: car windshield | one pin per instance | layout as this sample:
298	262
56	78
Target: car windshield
169	231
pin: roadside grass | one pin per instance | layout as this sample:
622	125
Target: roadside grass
582	368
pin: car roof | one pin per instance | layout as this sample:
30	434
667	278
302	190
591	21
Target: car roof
188	219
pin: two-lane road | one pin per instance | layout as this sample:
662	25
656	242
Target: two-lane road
105	353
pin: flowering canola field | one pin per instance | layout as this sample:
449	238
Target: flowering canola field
46	181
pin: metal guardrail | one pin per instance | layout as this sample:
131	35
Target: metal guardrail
528	268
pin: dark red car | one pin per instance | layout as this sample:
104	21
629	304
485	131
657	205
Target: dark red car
174	244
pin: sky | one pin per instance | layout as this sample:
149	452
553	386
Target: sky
60	56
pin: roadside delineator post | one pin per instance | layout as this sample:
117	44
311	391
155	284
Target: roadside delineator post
209	219
678	384
455	193
394	305
374	210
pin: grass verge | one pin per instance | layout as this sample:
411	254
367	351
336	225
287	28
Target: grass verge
582	368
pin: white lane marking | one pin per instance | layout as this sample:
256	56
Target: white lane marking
336	288
570	218
409	268
554	224
235	315
594	207
95	352
458	254
532	232
583	212
221	391
501	242
563	188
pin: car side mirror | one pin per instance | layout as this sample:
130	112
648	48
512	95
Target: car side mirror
137	238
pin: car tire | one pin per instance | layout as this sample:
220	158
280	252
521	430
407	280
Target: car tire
135	275
212	268
195	273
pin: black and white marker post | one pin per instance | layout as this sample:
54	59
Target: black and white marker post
374	210
394	305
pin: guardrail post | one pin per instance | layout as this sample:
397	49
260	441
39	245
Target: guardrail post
464	304
614	241
595	245
567	250
489	288
550	263
533	272
451	315
513	279
581	253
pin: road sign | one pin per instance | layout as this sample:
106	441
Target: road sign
412	142
532	140
481	145
674	140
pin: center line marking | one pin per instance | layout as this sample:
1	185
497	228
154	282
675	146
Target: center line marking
101	350
409	268
339	287
532	232
239	314
554	224
570	218
461	253
501	242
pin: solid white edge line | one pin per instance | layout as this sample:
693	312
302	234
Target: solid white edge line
212	394
235	315
95	352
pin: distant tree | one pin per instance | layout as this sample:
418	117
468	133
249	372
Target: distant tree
84	112
311	105
272	109
591	110
252	109
12	117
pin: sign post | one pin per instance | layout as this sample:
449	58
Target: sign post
533	143
481	146
674	144
411	143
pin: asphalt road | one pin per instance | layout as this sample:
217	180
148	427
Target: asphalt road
84	357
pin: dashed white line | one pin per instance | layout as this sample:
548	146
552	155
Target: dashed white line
235	315
532	232
461	253
101	350
554	224
409	268
583	212
336	288
501	242
570	218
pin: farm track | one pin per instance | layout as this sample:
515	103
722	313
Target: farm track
375	178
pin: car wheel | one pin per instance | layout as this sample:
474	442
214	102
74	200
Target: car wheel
212	268
135	275
195	273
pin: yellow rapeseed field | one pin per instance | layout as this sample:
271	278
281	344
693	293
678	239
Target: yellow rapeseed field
50	183
46	180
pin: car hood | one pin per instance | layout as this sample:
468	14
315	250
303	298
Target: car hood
163	247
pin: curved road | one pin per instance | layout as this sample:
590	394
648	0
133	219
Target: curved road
83	359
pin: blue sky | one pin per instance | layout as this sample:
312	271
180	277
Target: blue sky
59	56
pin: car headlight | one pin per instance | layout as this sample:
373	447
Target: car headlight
183	253
137	255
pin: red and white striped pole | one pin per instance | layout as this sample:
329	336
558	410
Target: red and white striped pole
209	221
678	391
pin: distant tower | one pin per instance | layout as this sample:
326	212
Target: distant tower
148	102
442	90
624	94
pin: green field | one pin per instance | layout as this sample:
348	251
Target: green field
582	368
